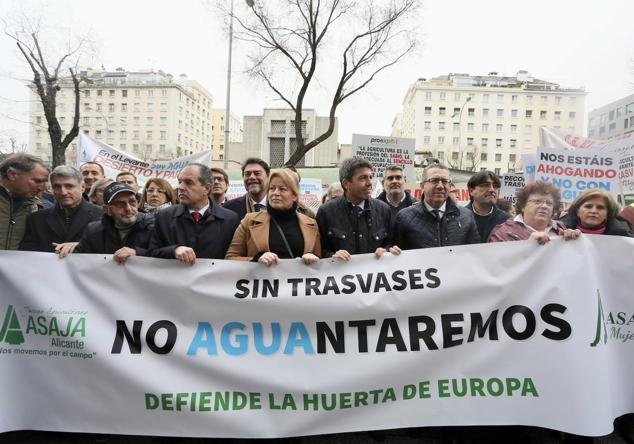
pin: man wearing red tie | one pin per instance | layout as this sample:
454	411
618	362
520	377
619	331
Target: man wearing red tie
196	228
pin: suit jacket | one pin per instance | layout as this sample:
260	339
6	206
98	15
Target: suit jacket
238	206
210	238
46	226
252	236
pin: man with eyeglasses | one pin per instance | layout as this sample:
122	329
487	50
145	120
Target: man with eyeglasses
484	188
122	231
255	174
219	186
437	221
394	193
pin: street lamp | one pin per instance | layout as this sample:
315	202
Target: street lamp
225	163
453	116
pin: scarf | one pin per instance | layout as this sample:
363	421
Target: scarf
598	230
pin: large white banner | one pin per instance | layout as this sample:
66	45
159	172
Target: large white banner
510	333
115	161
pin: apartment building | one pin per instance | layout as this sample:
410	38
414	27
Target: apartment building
613	120
485	122
271	137
149	114
218	132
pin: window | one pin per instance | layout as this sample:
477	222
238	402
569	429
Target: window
428	95
136	134
86	121
150	93
441	125
483	157
98	121
428	110
528	129
485	98
149	120
572	115
471	112
163	121
513	113
456	141
543	100
99	93
443	96
163	93
557	115
110	134
497	171
163	135
469	156
513	128
441	140
454	155
619	111
124	107
485	112
485	127
123	134
514	98
500	112
111	107
456	126
124	93
572	100
99	107
500	98
162	149
456	111
499	128
611	115
498	143
440	155
86	93
542	115
426	140
137	93
98	134
148	135
150	106
557	100
427	124
442	111
38	133
470	127
163	106
484	142
512	158
529	99
456	97
148	148
111	93
513	144
469	141
527	143
529	114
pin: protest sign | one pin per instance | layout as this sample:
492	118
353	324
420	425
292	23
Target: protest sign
529	162
382	151
233	349
576	171
115	161
510	184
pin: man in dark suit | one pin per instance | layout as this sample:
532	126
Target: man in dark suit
255	174
196	228
59	228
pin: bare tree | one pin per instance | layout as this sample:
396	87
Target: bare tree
467	160
290	39
47	79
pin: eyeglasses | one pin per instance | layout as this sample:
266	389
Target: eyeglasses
218	179
155	190
540	202
438	180
487	185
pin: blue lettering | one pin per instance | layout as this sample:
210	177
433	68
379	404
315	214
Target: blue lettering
241	340
258	338
298	329
203	338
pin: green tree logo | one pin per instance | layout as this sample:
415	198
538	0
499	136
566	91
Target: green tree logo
600	324
10	332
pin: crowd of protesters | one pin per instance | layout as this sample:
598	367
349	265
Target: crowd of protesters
70	211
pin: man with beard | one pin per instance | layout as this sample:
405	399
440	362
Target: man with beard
219	185
59	228
197	227
437	221
355	223
394	193
122	231
484	188
255	173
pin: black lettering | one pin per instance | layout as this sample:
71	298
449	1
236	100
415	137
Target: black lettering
433	281
415	334
336	340
312	285
478	327
243	286
133	340
565	330
330	285
400	283
150	337
294	282
270	288
365	285
415	280
381	283
509	327
348	284
362	332
396	338
449	331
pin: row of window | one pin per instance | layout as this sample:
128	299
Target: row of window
471	112
482	157
500	98
627	123
612	115
484	127
124	92
484	142
148	136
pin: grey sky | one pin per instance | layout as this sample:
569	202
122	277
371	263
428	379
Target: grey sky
572	42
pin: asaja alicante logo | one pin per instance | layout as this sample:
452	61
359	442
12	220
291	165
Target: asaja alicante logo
10	332
612	325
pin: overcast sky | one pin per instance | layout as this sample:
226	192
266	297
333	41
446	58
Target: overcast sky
577	43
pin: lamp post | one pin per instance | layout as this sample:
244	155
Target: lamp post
453	116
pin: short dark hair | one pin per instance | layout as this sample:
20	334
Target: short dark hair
221	171
538	187
126	173
259	161
103	172
21	162
350	165
204	173
481	177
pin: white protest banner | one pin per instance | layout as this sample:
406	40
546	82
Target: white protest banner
382	151
432	337
529	162
576	171
115	161
511	183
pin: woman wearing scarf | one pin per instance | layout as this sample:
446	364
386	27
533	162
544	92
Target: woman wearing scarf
596	212
157	194
280	232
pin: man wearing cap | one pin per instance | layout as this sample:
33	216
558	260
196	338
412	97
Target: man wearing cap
196	228
122	231
59	228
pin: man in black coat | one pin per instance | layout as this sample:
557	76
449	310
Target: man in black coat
122	231
59	228
355	223
436	221
394	193
196	228
484	188
255	174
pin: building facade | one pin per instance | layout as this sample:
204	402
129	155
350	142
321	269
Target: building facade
218	132
271	137
613	120
485	122
149	114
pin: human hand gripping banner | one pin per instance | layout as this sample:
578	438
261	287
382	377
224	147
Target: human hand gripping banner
508	333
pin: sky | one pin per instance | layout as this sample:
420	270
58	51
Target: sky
576	43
